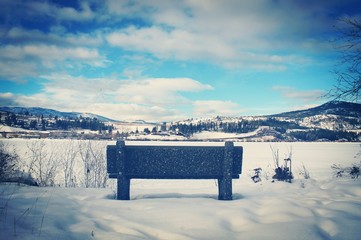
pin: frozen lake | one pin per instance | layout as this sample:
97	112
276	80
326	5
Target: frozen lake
322	207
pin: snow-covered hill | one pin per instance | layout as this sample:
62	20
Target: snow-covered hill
52	113
331	121
339	108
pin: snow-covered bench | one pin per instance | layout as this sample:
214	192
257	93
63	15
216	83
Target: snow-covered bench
125	162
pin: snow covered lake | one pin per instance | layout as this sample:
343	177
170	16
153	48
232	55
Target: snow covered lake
322	207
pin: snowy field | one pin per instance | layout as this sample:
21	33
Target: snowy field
322	207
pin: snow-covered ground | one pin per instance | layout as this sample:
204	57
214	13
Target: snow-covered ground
207	135
322	207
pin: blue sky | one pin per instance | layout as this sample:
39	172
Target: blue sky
169	60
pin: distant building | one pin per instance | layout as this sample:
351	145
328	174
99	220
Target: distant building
163	127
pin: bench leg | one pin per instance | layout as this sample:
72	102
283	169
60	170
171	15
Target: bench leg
225	188
225	183
123	191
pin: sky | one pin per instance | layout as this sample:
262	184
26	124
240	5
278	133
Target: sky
166	60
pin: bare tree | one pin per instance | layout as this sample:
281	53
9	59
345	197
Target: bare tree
67	160
86	158
94	162
348	43
100	175
43	162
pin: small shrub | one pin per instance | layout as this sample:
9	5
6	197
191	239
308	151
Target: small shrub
257	175
8	162
338	171
304	172
354	171
23	178
282	173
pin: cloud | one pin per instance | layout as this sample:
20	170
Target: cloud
61	42
159	91
232	34
175	44
57	36
67	13
7	99
154	99
260	35
44	9
78	90
132	112
213	108
184	45
51	53
302	95
21	100
21	62
151	91
23	68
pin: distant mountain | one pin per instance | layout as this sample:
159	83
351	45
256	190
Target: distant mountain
339	108
50	112
332	121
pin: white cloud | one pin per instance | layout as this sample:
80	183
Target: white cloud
22	69
260	35
35	100
154	99
256	35
71	90
7	99
132	112
159	91
263	35
184	44
55	53
213	108
175	44
302	95
234	34
151	91
49	56
61	13
57	36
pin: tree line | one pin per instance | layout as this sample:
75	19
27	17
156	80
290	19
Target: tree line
54	123
241	126
328	135
278	127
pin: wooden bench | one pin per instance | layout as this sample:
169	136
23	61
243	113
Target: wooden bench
125	162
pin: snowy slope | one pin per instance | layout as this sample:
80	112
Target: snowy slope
324	122
50	112
338	121
207	135
268	211
338	108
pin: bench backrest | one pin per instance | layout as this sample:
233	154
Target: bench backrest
172	162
